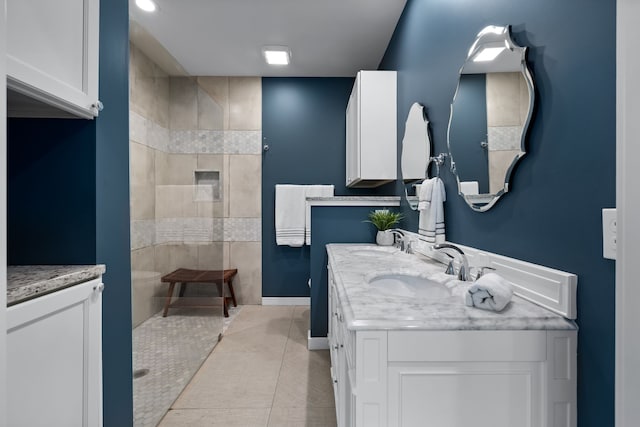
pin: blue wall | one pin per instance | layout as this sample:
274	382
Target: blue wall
553	214
332	224
303	121
112	211
68	201
51	213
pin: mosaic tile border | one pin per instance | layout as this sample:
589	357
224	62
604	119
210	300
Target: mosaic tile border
504	138
194	231
147	132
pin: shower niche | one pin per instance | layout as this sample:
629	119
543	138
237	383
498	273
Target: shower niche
207	186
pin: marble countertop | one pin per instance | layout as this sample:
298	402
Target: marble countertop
25	282
365	307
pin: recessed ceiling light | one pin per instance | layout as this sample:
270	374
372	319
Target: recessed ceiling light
488	54
146	5
277	55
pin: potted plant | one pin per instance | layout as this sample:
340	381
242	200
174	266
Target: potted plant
384	219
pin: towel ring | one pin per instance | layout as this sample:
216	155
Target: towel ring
437	161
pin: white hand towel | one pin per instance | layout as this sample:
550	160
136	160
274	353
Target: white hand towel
489	292
290	214
314	191
431	208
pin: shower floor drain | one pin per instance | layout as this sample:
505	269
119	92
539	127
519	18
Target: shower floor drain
139	373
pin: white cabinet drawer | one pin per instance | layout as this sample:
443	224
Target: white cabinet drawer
460	346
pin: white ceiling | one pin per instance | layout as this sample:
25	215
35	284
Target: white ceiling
327	38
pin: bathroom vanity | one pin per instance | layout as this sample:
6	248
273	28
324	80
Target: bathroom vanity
54	345
415	355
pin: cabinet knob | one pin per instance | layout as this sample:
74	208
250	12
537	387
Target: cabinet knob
98	106
335	347
99	288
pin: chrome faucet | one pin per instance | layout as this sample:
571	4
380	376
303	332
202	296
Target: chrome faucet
463	272
399	238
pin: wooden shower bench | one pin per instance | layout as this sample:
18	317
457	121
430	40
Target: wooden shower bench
184	276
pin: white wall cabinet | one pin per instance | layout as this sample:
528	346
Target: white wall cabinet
423	378
54	359
52	58
371	130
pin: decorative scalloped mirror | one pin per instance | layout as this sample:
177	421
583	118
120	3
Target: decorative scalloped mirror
416	150
490	113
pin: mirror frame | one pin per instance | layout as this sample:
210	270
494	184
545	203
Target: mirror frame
494	34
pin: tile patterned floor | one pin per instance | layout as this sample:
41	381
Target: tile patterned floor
260	375
171	349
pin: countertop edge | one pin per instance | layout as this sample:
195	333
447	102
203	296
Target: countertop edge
26	282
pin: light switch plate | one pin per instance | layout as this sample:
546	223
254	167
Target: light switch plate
609	233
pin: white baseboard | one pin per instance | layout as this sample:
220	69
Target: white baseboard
286	301
317	343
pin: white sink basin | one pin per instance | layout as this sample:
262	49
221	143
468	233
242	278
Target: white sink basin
409	285
375	251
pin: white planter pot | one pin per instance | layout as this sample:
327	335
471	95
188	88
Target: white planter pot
384	238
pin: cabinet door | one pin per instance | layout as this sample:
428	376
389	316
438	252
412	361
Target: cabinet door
480	394
353	135
52	53
54	359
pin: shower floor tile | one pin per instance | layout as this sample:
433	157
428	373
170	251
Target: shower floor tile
167	351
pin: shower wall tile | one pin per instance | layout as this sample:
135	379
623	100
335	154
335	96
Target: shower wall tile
212	256
218	89
157	136
179	125
502	138
142	181
245	185
160	112
211	115
245	103
189	230
147	295
149	88
247	258
175	201
215	162
183	106
499	163
176	169
503	99
196	141
143	259
137	128
242	229
171	257
143	233
243	142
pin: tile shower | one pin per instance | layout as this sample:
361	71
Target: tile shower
195	177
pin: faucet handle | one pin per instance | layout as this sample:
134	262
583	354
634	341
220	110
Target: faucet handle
451	271
409	246
481	271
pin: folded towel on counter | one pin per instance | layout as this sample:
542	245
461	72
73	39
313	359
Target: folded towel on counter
314	191
431	198
290	214
489	292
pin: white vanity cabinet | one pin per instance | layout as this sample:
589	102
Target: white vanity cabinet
54	358
52	58
371	128
386	377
